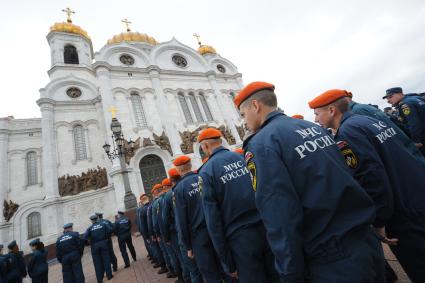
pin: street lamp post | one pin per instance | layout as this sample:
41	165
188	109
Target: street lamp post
119	151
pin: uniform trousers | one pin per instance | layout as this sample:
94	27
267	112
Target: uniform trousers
252	255
124	242
205	256
358	258
72	269
101	261
410	249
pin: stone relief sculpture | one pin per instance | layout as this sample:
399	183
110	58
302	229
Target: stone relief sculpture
227	134
163	142
9	208
147	142
241	131
93	179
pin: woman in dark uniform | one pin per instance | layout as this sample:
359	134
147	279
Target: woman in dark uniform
16	268
37	265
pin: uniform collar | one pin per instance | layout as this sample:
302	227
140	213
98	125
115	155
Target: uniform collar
271	116
218	149
345	116
187	175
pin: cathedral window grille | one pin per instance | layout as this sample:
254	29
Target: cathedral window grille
195	107
70	55
34	225
79	143
206	107
32	168
139	112
185	108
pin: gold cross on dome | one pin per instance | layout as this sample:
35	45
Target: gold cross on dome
198	38
113	111
68	12
127	23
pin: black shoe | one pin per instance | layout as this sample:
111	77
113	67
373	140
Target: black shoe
135	258
110	278
171	275
156	265
127	266
115	269
162	270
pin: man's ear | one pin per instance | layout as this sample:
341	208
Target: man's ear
256	105
332	110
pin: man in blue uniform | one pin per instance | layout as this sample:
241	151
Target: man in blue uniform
3	266
411	108
112	256
173	235
190	217
373	112
123	232
98	234
233	221
69	250
142	222
316	215
166	265
16	267
391	175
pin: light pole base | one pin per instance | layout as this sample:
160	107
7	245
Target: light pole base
130	201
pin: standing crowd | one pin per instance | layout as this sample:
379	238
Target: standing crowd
301	202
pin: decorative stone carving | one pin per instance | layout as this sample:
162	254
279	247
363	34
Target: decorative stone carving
163	142
9	208
147	142
227	134
73	92
130	152
93	179
241	131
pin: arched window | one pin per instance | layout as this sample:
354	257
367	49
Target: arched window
195	107
152	171
70	55
79	143
206	107
185	108
139	112
31	168
34	225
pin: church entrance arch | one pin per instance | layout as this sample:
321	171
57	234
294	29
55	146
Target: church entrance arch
152	171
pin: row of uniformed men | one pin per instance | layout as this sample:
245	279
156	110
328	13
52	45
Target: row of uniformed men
316	205
69	250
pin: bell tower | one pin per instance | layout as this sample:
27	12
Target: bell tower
70	45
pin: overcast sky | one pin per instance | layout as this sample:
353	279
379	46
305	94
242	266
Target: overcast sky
303	47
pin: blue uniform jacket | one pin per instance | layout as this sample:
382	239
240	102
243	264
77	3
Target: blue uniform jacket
412	112
149	221
143	221
306	196
123	227
16	267
382	165
37	265
228	199
167	215
3	268
97	232
68	243
155	223
370	111
189	212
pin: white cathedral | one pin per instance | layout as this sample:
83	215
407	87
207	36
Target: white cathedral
54	169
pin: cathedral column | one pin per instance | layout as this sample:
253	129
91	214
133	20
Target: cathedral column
49	158
4	170
161	105
239	81
228	120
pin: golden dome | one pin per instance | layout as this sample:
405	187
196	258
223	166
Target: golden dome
69	27
204	49
132	36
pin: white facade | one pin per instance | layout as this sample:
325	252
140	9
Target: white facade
34	153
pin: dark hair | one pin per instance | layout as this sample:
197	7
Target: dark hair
265	96
39	246
341	104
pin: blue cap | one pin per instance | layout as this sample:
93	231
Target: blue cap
121	212
93	217
393	90
35	242
11	245
68	225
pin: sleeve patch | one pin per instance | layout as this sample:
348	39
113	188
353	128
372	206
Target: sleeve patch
253	172
405	109
349	156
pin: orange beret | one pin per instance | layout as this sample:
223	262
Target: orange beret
166	182
298	116
156	187
173	173
239	150
249	90
327	98
209	133
181	160
349	94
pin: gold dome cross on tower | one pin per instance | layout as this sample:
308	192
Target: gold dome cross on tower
68	12
198	38
127	24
